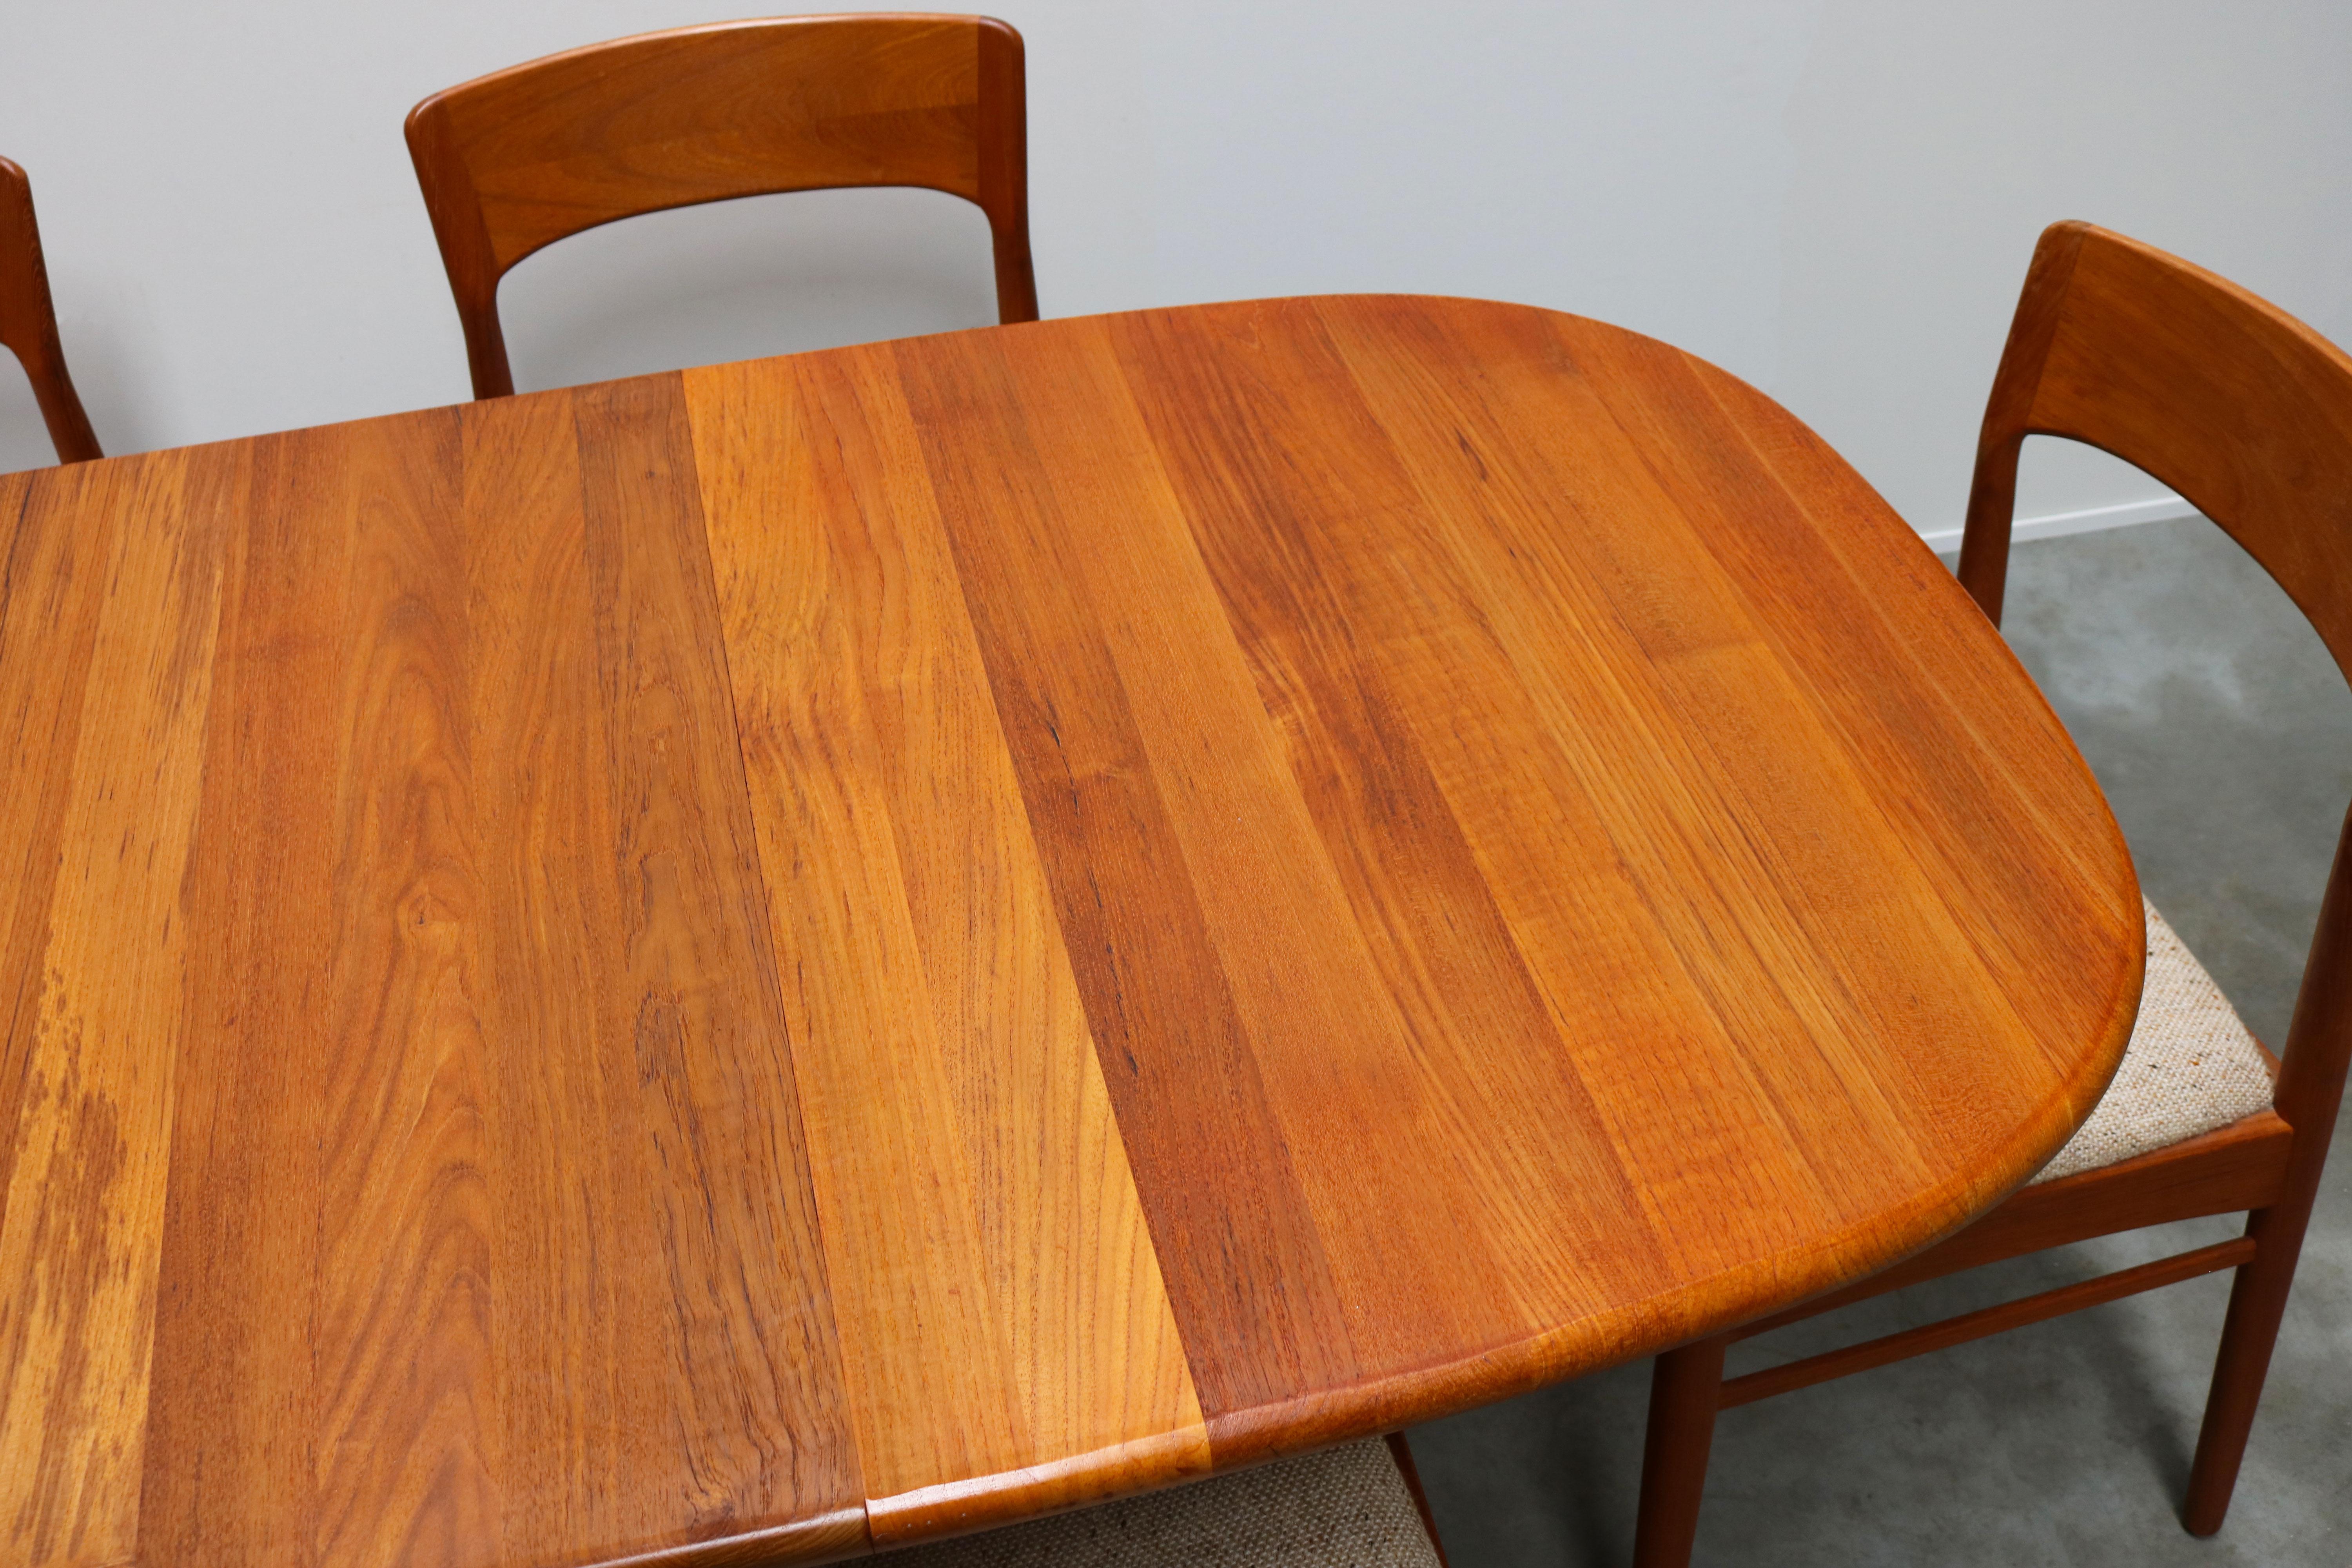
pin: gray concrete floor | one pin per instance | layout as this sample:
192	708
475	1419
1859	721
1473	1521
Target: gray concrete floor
2222	734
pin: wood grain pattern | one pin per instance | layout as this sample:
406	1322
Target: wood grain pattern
998	1299
29	321
467	1061
94	1077
516	160
816	953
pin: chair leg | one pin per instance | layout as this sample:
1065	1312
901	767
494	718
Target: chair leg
2257	1302
1685	1392
1401	1452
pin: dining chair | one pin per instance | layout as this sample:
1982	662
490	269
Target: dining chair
515	161
2247	414
28	323
1356	1506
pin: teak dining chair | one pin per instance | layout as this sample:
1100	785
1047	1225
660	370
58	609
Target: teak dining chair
526	156
2247	414
28	323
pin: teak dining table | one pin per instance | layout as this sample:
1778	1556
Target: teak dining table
788	958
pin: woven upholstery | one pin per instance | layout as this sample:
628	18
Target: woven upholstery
1343	1508
2191	1065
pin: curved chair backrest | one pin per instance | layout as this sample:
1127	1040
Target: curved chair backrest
2247	414
521	158
28	325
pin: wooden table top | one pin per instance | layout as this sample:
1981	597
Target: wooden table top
813	952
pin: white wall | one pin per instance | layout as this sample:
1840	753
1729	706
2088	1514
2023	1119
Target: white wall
1834	198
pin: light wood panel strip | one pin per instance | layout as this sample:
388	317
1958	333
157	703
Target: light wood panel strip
1247	1277
236	1386
51	596
52	587
991	1264
572	1236
406	1441
81	1240
919	1326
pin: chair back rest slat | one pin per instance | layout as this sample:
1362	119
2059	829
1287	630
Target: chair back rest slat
2237	406
515	161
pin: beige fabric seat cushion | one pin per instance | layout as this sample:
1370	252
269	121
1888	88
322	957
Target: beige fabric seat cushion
1343	1508
2191	1065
